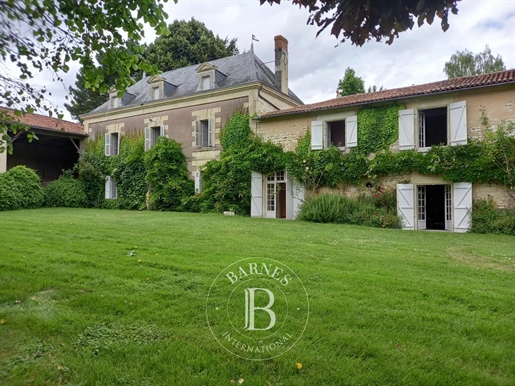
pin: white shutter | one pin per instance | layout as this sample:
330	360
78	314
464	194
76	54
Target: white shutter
107	140
114	189
119	137
462	206
148	140
458	122
298	197
198	134
108	187
405	205
351	131
198	182
256	201
162	131
406	129
210	140
317	135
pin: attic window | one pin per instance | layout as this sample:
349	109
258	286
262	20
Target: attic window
206	83
156	93
115	101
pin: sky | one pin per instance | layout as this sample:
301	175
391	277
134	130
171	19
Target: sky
316	64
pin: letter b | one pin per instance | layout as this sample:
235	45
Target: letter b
250	308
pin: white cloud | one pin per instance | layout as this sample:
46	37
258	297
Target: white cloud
316	65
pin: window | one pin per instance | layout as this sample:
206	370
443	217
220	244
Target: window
115	101
204	133
156	93
151	136
110	188
340	133
443	125
206	83
198	182
112	144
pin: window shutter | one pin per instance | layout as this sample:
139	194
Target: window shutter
406	129
458	122
210	140
405	205
256	204
351	131
198	182
162	131
119	137
462	206
114	188
317	135
107	140
108	187
198	134
148	140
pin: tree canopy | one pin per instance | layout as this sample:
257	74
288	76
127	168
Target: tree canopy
466	63
360	21
350	84
46	35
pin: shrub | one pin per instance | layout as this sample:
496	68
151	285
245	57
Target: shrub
488	220
167	175
65	192
365	210
20	188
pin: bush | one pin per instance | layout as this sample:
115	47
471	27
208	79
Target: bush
20	188
66	192
488	220
365	210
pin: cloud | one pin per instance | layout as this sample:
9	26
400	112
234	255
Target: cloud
317	64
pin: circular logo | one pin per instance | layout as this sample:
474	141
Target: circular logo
257	308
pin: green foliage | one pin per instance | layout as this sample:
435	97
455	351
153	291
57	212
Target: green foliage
488	220
59	32
360	22
20	188
236	130
377	128
465	63
167	175
375	211
65	192
226	183
351	84
187	43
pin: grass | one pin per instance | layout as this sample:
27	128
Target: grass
98	297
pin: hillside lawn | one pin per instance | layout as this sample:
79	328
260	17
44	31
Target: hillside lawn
99	297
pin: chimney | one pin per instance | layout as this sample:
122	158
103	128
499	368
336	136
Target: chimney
281	63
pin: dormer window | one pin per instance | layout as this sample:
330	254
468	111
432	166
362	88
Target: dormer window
209	77
156	92
115	101
206	83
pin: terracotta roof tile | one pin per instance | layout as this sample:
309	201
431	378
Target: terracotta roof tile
503	77
38	121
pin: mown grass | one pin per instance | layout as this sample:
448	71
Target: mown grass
98	297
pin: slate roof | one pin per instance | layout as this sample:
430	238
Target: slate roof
239	70
38	121
464	83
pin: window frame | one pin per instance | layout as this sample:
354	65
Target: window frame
112	143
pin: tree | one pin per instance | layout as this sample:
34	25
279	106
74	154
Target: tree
360	21
350	84
374	88
465	63
188	42
40	35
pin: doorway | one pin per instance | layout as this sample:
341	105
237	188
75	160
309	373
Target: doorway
434	207
276	195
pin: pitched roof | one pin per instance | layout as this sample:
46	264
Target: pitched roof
239	69
38	121
468	82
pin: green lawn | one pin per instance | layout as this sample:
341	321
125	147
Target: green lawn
98	297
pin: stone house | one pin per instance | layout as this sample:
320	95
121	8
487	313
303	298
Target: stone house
57	148
447	112
192	104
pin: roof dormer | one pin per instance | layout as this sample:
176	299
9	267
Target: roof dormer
115	101
159	87
209	77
